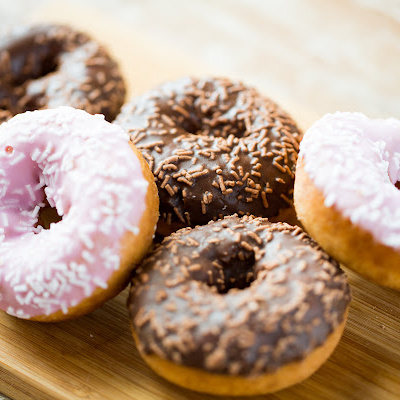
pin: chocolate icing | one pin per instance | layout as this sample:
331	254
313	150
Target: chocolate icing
46	66
237	296
216	148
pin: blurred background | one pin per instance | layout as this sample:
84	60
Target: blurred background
311	56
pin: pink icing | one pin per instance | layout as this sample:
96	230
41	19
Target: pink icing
355	162
92	178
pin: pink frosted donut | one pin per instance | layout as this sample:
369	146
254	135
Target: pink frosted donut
345	193
83	167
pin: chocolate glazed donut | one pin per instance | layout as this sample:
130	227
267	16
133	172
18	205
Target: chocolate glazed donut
216	148
238	306
47	66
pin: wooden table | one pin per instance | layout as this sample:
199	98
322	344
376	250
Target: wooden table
312	57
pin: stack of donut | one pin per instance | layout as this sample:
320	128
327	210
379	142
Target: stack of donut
236	301
240	306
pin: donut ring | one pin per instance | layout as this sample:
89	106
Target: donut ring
238	306
47	66
347	198
109	212
216	148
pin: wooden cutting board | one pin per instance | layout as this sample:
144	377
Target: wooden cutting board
94	357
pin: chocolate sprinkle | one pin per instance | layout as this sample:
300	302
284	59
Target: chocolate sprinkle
218	139
47	66
256	296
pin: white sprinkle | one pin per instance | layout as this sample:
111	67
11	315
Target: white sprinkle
4	218
86	287
37	287
20	299
21	314
50	169
105	228
64	307
95	214
3	191
10	310
74	266
134	229
16	278
56	175
66	165
98	282
37	229
9	203
18	191
60	208
35	211
53	286
23	228
87	241
107	210
17	159
90	258
111	260
45	302
5	182
29	297
35	154
41	183
30	192
45	153
9	275
54	157
21	288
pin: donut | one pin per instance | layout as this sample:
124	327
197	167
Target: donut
240	306
46	66
346	194
108	211
216	148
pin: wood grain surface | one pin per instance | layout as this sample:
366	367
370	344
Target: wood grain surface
94	357
312	57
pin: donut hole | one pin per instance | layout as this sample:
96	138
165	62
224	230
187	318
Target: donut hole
190	124
209	112
233	270
210	123
33	57
30	61
47	215
397	184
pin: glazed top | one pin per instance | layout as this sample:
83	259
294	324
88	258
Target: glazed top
216	148
355	162
47	66
237	296
63	155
